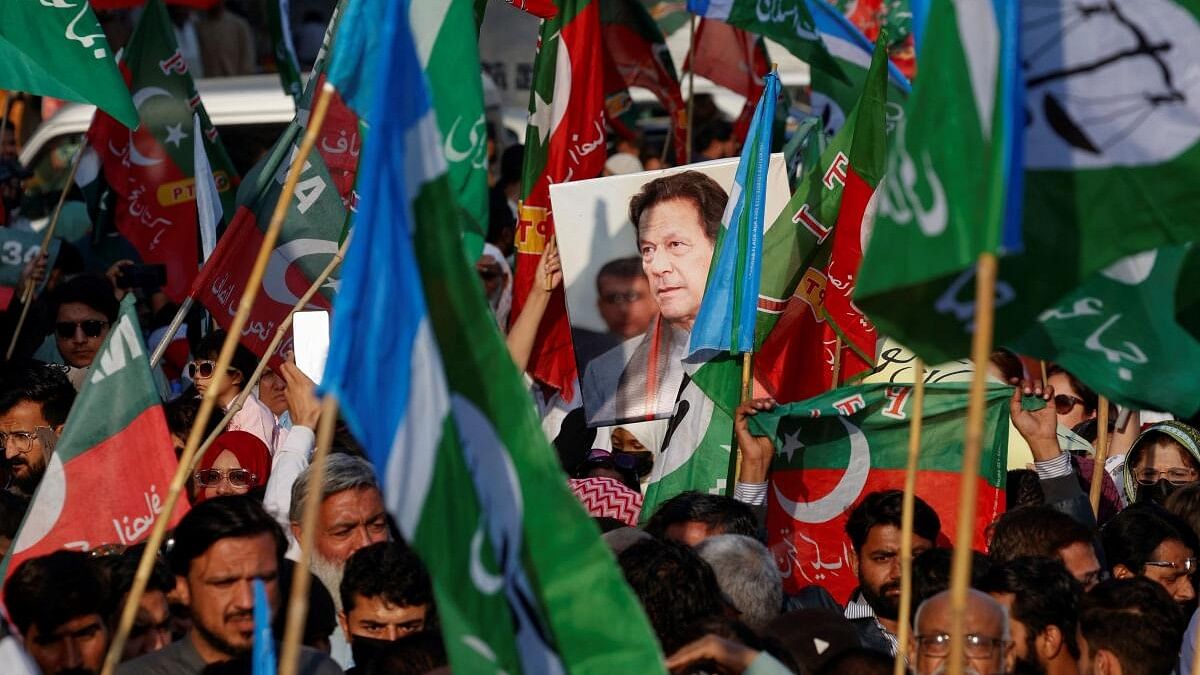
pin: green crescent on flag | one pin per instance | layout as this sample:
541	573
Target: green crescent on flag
58	49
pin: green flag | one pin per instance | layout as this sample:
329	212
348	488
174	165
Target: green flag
283	49
57	48
788	22
112	466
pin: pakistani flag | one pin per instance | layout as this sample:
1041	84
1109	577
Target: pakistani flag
696	449
144	180
834	449
451	65
58	49
1103	177
108	476
788	22
467	473
282	47
1117	333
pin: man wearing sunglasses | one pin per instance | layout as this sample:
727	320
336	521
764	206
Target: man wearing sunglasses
34	401
84	309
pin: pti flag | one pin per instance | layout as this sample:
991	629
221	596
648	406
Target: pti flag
734	59
144	180
466	471
58	49
282	47
895	17
696	449
811	259
1117	333
1103	177
565	141
110	470
788	22
636	55
833	450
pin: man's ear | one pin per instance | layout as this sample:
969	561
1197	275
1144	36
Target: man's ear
296	530
1120	571
1049	642
345	624
853	558
1107	663
181	587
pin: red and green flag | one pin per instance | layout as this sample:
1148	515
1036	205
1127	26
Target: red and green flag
788	22
143	181
565	141
734	59
112	466
636	55
283	49
833	450
58	49
812	254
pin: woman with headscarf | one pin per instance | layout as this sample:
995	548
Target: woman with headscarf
1164	458
497	279
238	463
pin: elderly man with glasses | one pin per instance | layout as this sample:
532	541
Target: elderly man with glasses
987	638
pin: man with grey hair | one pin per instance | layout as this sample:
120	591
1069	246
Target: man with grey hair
747	575
987	639
351	517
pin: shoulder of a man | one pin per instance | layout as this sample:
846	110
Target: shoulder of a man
313	662
170	660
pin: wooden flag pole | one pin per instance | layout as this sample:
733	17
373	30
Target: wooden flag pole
1102	438
270	238
691	102
917	413
30	286
180	314
289	652
1042	364
837	363
981	349
747	392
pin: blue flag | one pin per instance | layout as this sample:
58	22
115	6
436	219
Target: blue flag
264	641
727	315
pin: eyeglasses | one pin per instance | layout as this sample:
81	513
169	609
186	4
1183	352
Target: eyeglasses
618	459
976	646
1176	476
1063	403
204	369
91	328
1188	566
238	478
618	298
21	441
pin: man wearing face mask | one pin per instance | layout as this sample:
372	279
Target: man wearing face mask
386	595
1163	459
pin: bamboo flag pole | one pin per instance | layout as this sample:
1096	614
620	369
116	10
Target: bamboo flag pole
1102	438
180	314
981	349
1042	364
289	652
154	541
691	102
917	413
837	363
30	286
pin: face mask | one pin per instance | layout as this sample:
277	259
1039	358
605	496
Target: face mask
1156	493
366	649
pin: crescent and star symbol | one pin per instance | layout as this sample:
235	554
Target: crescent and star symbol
844	493
139	97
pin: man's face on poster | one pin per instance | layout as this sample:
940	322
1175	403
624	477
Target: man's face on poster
676	254
625	304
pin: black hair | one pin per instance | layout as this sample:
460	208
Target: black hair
119	571
1135	620
931	572
858	661
1185	503
1131	537
221	518
414	654
53	589
244	361
92	290
12	511
321	619
716	130
724	515
884	508
1091	400
1044	594
621	268
389	570
704	193
1035	531
37	382
1009	363
512	164
675	586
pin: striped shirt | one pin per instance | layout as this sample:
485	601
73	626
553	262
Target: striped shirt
858	608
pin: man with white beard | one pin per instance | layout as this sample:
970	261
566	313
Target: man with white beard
352	516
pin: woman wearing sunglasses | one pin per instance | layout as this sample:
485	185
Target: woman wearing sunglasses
237	463
254	416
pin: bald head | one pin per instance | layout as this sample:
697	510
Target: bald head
986	622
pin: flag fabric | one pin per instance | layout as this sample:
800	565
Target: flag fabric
115	435
143	181
58	49
636	55
472	482
695	451
1100	179
1117	333
894	17
809	264
726	320
803	150
263	657
565	141
1187	293
312	230
543	9
282	47
208	201
788	22
834	449
734	59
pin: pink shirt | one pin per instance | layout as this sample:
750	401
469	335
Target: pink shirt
256	418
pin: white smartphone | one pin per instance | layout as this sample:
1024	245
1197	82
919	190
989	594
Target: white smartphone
310	334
